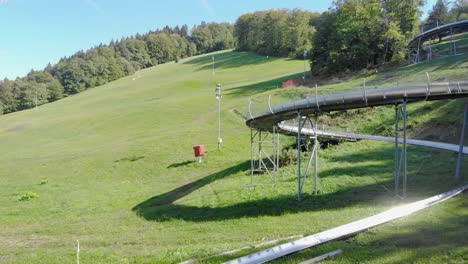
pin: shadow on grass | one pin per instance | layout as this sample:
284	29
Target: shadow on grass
180	164
251	89
423	166
160	209
170	197
226	60
131	158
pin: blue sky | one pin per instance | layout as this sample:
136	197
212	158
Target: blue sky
34	33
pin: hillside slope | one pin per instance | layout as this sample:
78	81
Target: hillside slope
117	173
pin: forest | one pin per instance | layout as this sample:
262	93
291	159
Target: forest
105	63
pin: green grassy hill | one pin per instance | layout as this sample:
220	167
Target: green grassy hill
116	168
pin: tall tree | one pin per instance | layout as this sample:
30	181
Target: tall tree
275	32
53	87
439	14
459	10
8	97
353	35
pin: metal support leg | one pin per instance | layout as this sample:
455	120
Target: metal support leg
453	50
260	150
252	158
316	148
397	161
276	148
404	152
300	182
313	157
462	143
417	53
266	151
401	165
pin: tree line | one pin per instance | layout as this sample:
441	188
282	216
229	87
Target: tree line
105	63
354	35
351	35
276	32
443	13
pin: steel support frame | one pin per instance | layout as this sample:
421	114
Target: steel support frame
417	53
462	143
264	153
401	161
453	47
302	177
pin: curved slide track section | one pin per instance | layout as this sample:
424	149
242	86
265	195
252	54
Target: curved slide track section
358	99
353	137
416	53
306	112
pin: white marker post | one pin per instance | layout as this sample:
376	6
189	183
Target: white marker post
78	252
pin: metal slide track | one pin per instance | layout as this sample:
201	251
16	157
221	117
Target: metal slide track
444	30
358	99
353	136
344	230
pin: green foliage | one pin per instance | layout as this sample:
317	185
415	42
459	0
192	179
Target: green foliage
354	35
161	48
459	10
105	63
28	196
287	157
8	96
53	87
275	32
213	36
43	182
135	51
439	14
71	75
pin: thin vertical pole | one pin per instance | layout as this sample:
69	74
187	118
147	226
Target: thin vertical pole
213	72
452	43
252	162
78	252
404	149
417	54
397	161
304	78
316	148
430	50
277	149
299	157
462	143
273	142
219	124
260	149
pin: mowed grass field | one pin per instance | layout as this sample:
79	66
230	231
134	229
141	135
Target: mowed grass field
115	163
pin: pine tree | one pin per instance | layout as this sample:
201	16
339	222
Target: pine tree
439	14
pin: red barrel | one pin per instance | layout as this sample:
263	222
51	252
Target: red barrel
199	150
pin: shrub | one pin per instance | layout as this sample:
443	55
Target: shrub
27	196
288	157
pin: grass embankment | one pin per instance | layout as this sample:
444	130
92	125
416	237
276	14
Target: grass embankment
112	167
